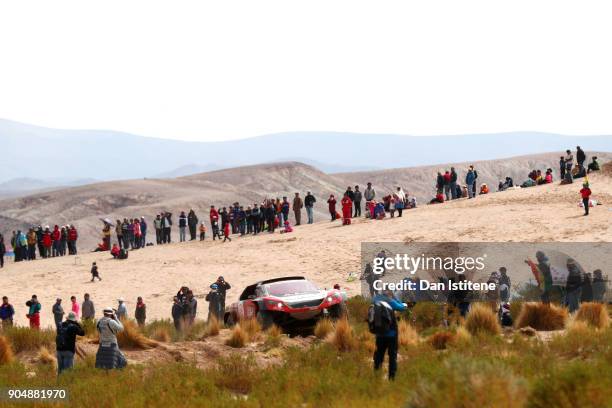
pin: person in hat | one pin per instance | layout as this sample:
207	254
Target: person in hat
65	342
109	356
214	303
58	312
121	309
223	287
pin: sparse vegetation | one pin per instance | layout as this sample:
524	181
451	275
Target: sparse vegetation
441	339
238	338
408	335
132	338
6	351
323	328
427	314
26	339
343	337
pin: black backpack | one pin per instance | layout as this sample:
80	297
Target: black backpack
61	338
381	318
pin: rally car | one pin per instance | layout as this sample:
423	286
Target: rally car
290	303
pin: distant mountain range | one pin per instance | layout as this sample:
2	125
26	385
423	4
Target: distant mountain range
42	153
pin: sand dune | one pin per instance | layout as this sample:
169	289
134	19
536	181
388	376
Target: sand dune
85	205
324	252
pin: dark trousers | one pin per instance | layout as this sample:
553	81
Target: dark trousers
158	239
167	235
357	205
31	251
585	202
386	345
192	232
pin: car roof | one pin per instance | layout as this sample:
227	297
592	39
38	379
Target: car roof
250	290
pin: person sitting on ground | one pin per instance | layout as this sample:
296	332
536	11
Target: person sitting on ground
287	228
578	172
484	189
109	356
438	199
593	165
528	183
379	211
115	251
549	177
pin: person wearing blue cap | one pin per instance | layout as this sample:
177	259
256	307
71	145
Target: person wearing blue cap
215	307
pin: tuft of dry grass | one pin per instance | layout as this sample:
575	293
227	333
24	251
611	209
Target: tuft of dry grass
323	328
252	327
408	335
274	336
132	338
45	357
26	339
212	327
440	340
462	336
593	314
238	338
6	351
541	316
367	341
343	337
482	320
427	314
161	334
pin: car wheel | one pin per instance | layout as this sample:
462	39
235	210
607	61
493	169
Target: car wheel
338	311
265	319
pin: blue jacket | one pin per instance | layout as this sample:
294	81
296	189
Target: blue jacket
6	311
470	178
395	304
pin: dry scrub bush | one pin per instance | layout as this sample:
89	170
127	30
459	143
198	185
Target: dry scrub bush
252	328
45	357
541	316
343	337
408	335
6	351
441	339
161	334
238	338
132	338
323	328
212	327
274	336
593	314
26	339
482	320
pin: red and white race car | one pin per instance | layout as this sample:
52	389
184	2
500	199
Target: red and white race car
290	303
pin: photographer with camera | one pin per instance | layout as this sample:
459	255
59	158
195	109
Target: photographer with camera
109	356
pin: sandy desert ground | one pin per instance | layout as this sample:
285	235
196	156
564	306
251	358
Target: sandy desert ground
325	252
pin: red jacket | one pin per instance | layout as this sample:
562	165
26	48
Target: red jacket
332	205
226	229
447	177
214	215
347	203
585	192
56	235
72	234
46	239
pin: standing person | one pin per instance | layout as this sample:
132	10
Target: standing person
469	181
284	211
182	226
226	232
474	191
453	183
143	232
213	215
74	306
122	312
331	204
580	156
140	313
57	241
109	356
398	198
73	236
39	241
357	196
587	289
58	312
87	309
192	222
599	286
369	194
157	224
7	312
573	286
504	279
47	242
562	167
125	233
309	201
347	209
202	231
137	234
32	240
3	251
177	312
34	312
569	161
447	185
215	310
192	307
222	287
351	195
167	225
119	233
65	342
384	326
298	204
94	272
440	183
216	233
585	193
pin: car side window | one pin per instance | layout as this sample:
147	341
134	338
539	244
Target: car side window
259	292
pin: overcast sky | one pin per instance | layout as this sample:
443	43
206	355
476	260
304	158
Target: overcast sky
199	70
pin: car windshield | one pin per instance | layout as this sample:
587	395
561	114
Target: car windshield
286	288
